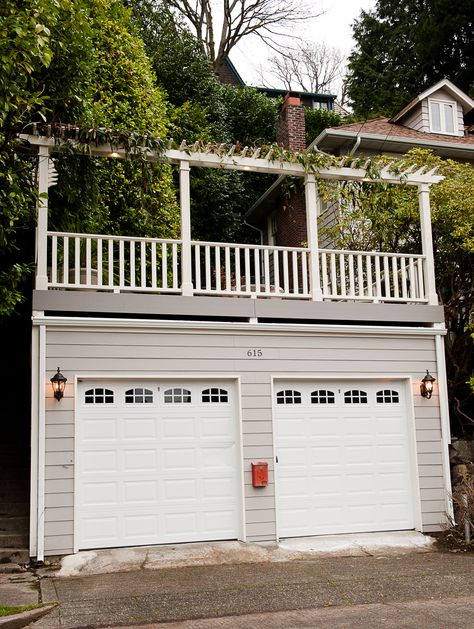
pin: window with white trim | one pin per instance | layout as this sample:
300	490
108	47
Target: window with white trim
387	396
99	396
443	117
177	396
139	396
355	396
215	396
323	396
288	396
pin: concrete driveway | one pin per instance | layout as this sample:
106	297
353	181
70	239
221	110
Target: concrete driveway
434	590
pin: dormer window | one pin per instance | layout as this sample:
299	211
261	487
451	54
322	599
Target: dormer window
443	117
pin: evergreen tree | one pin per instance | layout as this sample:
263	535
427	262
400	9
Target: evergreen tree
404	46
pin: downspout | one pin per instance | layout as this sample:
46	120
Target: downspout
257	229
356	145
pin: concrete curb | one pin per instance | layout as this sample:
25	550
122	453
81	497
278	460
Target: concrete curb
17	621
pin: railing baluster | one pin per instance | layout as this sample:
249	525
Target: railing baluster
360	277
324	268
248	275
404	278
266	270
153	265
100	277
143	264
111	263
396	292
421	285
286	279
66	260
332	259
237	269
378	279
257	270
197	267
276	272
218	269
77	261
54	260
368	268
164	265
294	264
88	261
174	258
412	279
132	263
342	274
304	271
207	254
228	284
386	277
121	265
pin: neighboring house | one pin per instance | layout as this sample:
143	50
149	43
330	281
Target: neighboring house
188	362
438	119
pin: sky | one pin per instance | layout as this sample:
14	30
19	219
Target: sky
333	28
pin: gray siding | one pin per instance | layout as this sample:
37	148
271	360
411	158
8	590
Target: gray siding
200	352
417	119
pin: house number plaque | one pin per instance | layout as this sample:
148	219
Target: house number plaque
254	353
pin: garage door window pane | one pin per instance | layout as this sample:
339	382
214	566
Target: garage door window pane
99	396
177	396
288	397
355	397
138	396
387	396
323	397
215	396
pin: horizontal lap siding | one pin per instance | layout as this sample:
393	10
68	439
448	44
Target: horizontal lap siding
201	353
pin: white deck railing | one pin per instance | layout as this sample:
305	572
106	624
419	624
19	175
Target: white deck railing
372	276
121	264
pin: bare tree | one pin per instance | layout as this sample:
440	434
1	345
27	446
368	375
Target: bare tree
267	19
312	68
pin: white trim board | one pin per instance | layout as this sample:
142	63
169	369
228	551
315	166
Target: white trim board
80	323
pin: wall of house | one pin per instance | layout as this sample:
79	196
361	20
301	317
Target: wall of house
171	349
418	119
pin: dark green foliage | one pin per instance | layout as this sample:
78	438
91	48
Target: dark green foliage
316	120
404	46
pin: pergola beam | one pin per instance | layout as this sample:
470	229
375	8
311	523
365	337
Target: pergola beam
230	161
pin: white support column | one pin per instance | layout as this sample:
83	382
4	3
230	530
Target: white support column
185	204
41	443
42	220
35	386
312	212
445	423
427	242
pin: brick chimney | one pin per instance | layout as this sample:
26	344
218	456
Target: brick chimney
290	128
290	216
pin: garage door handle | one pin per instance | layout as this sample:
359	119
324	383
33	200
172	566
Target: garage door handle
276	459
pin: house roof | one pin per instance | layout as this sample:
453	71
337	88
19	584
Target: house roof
381	134
445	84
273	92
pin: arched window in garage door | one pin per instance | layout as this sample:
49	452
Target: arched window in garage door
99	396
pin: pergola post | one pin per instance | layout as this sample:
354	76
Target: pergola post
185	205
312	211
41	282
427	242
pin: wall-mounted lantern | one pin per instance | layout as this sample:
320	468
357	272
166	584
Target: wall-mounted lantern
426	385
58	382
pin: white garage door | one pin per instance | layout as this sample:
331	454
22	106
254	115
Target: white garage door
343	458
157	463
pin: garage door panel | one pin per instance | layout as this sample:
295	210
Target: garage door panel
159	472
347	467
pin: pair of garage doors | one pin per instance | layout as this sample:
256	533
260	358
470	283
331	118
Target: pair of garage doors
160	462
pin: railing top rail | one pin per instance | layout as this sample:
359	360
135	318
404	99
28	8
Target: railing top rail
168	241
248	246
373	253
